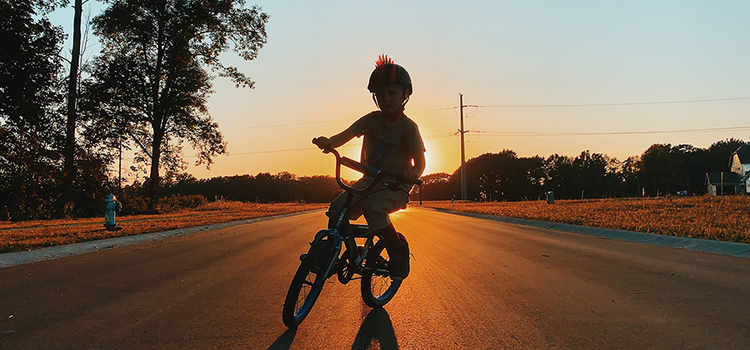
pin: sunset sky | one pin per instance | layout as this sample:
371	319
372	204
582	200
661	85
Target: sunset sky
615	67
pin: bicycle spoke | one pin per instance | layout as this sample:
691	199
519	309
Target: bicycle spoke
307	286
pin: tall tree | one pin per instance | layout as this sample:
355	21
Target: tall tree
152	80
70	128
29	92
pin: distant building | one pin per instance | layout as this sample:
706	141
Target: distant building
737	180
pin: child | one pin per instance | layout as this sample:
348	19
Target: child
392	143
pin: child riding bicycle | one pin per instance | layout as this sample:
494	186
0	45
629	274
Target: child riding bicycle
391	143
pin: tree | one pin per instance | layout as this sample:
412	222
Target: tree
665	169
151	81
30	133
70	127
560	176
436	186
629	172
29	66
500	176
717	157
590	175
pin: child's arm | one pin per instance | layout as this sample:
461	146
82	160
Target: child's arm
341	138
413	174
335	141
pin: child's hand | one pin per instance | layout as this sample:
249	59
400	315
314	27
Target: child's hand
411	176
322	142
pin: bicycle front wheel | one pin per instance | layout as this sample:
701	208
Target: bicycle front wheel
377	286
307	283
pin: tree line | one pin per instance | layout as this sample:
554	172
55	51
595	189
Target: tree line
662	169
63	122
262	188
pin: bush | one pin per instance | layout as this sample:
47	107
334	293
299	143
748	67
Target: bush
176	202
134	205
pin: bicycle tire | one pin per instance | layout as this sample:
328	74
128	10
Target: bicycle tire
377	286
307	283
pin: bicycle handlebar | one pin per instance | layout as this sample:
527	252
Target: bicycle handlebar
364	169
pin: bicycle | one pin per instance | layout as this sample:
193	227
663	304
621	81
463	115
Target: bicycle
325	257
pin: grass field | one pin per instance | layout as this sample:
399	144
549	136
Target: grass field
717	218
16	236
707	217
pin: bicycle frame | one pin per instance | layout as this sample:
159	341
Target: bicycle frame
344	232
325	257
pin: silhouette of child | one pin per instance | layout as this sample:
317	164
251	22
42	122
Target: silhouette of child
391	143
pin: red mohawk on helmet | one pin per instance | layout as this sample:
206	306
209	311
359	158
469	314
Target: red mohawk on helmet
387	72
383	60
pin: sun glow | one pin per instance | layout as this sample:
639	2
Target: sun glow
441	155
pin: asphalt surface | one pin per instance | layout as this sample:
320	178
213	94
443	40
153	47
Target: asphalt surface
475	284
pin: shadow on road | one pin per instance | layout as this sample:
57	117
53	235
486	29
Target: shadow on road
284	341
376	326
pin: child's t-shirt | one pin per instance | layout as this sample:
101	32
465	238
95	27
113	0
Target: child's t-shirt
385	148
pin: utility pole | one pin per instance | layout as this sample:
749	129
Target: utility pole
463	149
119	172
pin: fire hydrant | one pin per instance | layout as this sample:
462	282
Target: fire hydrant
110	206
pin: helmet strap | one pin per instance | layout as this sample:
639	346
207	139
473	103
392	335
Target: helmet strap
403	104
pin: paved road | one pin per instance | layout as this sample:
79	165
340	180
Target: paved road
475	284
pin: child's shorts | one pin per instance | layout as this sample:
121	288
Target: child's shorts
376	206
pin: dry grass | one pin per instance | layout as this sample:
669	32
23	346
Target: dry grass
707	217
15	236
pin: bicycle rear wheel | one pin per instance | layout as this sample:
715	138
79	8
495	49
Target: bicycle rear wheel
307	283
377	286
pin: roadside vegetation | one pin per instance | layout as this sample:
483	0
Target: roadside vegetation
26	235
707	217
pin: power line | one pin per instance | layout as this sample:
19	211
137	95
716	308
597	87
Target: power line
510	106
283	125
289	150
273	151
543	133
515	133
433	110
321	121
435	136
519	133
620	103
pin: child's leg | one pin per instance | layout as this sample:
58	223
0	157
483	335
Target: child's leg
335	208
376	211
338	204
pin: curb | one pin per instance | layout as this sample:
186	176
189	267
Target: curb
695	244
55	252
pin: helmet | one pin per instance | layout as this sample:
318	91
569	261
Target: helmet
387	72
